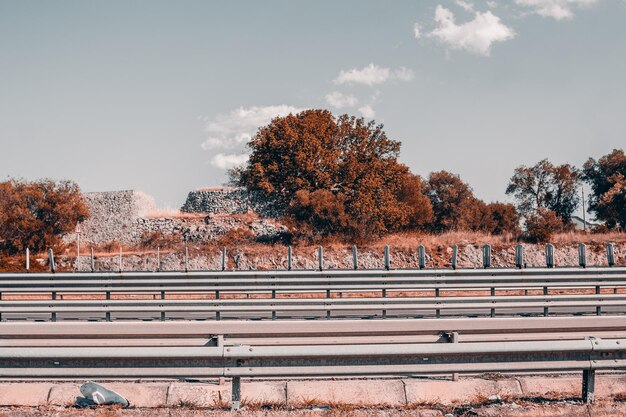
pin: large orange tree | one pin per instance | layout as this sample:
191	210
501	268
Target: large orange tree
334	175
36	214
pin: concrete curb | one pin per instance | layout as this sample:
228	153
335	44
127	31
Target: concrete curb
390	392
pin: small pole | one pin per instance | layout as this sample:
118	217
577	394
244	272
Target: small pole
51	260
158	258
186	256
120	258
421	256
77	248
320	258
93	262
27	259
610	254
486	256
550	255
519	256
289	258
387	258
236	394
582	189
582	257
454	338
224	258
355	258
589	384
455	251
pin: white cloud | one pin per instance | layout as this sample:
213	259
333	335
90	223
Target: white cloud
370	75
476	36
339	100
237	127
556	9
367	111
226	161
404	74
417	30
467	6
492	4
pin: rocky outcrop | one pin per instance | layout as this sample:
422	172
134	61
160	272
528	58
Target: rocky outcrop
230	201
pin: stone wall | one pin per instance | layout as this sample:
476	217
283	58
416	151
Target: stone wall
230	201
113	216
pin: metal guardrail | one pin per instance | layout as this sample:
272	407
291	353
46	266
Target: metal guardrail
277	284
299	361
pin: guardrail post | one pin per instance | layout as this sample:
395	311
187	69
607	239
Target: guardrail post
455	251
550	255
93	262
54	314
274	312
454	338
493	294
582	257
610	254
289	258
320	258
437	311
186	256
546	312
421	256
108	313
589	385
236	394
27	259
355	258
218	316
162	312
486	256
328	298
599	306
51	260
120	258
519	256
158	259
387	258
224	258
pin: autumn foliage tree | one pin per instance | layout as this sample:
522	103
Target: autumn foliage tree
607	178
546	186
453	202
336	175
36	214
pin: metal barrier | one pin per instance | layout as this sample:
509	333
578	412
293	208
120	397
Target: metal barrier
298	361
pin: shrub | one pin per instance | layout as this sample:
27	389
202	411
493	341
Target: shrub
541	225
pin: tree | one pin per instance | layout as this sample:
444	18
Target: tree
607	178
504	218
453	202
542	224
36	214
348	164
545	186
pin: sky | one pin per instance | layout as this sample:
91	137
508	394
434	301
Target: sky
161	96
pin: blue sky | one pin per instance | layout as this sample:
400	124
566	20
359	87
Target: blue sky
161	96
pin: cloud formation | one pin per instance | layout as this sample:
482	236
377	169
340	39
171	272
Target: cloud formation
417	30
476	36
369	75
556	9
229	130
373	74
227	161
339	100
367	111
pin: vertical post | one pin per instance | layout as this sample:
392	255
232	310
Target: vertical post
236	394
546	312
162	312
158	259
610	254
218	316
355	258
437	311
421	257
108	313
274	312
493	294
454	338
93	262
121	258
599	306
519	256
186	256
328	298
486	256
455	251
550	255
582	257
224	258
320	258
54	314
387	258
51	260
289	258
582	190
27	259
589	385
78	250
